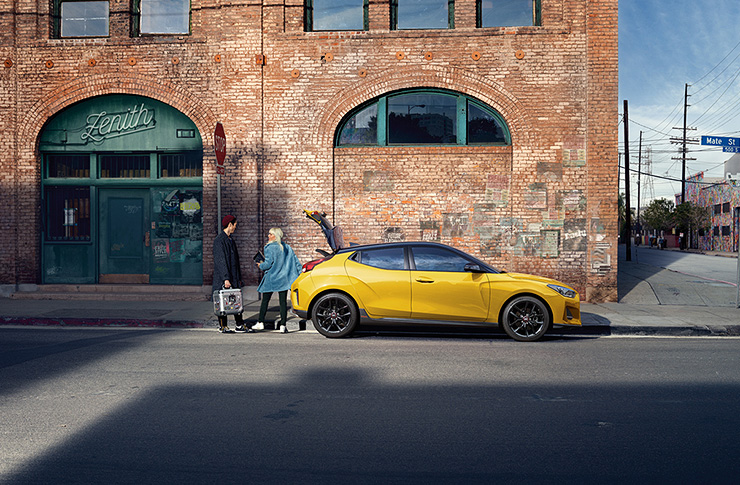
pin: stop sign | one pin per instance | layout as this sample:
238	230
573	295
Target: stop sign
219	145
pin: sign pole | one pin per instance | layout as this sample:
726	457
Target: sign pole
731	145
733	180
219	146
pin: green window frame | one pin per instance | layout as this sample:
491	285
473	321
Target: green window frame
428	123
395	17
484	21
80	18
66	195
311	24
144	11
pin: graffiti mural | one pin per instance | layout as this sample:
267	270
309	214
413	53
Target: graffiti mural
429	230
454	225
497	190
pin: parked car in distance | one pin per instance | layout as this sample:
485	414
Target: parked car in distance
427	283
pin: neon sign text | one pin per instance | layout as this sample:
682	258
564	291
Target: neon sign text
101	126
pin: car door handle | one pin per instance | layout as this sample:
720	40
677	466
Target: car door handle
424	280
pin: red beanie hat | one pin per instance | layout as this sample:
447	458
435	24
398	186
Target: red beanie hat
228	219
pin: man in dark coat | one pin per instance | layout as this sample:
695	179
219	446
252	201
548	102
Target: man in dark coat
226	269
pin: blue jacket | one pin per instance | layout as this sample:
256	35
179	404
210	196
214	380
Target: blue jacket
282	268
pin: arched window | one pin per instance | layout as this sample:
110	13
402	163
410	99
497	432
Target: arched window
423	117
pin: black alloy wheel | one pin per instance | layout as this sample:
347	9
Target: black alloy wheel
526	319
335	315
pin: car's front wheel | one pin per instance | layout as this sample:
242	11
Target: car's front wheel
335	315
526	319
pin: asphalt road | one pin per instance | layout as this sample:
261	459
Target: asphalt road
195	406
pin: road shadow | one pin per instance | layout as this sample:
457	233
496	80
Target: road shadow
337	426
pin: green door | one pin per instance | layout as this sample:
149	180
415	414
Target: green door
124	236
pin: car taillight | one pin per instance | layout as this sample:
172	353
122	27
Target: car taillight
311	264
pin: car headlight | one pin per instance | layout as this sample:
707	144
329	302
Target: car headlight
566	292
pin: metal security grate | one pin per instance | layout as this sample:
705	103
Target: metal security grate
181	165
69	166
124	166
67	213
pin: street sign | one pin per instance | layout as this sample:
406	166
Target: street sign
731	149
219	145
720	141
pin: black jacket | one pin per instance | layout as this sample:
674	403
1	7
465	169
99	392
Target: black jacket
225	262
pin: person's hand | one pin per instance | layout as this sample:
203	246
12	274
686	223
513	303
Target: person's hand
227	284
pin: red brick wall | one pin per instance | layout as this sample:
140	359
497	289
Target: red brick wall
546	204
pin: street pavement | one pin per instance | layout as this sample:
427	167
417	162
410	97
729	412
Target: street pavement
653	301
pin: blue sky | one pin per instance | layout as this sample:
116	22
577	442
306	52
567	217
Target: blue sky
664	45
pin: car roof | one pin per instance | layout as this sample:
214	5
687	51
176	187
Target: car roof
363	247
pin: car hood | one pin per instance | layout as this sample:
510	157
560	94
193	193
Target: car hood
540	279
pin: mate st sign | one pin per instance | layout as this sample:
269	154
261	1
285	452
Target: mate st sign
720	141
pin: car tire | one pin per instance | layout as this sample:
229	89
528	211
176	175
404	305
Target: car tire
335	315
526	319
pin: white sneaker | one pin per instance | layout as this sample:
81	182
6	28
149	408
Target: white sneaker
258	326
283	329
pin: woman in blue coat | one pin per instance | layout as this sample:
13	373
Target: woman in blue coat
281	268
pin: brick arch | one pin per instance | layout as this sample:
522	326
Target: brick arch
91	86
455	79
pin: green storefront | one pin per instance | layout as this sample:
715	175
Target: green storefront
122	194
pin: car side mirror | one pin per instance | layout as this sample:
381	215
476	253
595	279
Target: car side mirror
473	268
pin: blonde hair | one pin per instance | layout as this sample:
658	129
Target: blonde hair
278	233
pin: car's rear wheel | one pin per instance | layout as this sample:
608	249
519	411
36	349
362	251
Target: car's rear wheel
335	315
526	319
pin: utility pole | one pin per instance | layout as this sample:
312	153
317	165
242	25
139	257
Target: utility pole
627	208
683	150
639	171
684	141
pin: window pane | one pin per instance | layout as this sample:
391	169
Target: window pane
506	13
423	14
124	166
391	258
69	166
483	127
165	16
181	165
438	259
84	19
362	128
338	15
422	118
67	213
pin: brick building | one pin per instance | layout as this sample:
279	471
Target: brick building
493	131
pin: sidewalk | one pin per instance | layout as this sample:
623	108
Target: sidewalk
653	301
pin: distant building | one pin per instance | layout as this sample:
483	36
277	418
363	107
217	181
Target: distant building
491	130
723	201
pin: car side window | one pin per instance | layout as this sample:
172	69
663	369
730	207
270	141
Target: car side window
438	259
384	258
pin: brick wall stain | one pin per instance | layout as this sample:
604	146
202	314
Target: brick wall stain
547	204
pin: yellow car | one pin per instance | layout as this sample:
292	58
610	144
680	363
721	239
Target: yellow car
427	283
